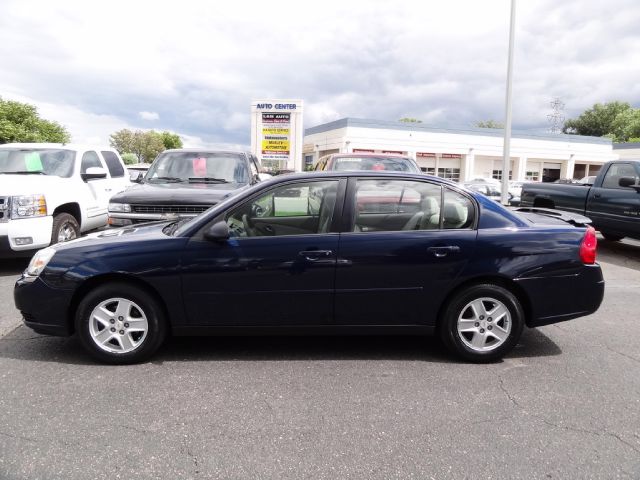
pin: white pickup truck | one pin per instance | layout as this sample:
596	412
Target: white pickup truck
50	193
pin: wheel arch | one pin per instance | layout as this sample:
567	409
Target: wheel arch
501	281
72	209
99	280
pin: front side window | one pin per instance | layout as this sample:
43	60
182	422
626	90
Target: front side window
616	172
199	167
293	209
55	162
394	205
89	159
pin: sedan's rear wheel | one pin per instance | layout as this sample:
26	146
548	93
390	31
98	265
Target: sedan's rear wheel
482	323
120	323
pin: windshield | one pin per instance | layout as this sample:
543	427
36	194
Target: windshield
54	162
373	163
196	167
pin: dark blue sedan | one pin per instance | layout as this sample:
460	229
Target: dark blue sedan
339	252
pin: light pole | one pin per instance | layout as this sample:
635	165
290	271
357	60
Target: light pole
506	154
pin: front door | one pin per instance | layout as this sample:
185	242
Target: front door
277	269
408	242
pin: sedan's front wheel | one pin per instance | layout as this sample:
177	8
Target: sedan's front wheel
482	323
120	323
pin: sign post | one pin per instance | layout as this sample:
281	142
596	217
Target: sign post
276	133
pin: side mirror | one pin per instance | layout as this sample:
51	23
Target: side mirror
218	232
94	173
136	176
627	182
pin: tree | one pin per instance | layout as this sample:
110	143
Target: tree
410	120
488	124
171	140
599	120
144	145
20	122
129	158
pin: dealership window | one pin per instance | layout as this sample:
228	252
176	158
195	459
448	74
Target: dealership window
449	173
293	209
532	176
497	174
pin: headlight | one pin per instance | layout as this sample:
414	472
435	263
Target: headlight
28	206
120	207
39	261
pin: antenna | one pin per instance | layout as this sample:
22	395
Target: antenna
556	118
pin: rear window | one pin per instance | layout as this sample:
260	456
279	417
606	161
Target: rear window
113	164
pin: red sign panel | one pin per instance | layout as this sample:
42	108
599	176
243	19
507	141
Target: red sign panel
451	155
362	150
425	155
392	151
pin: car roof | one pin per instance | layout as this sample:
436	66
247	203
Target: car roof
359	173
203	150
369	154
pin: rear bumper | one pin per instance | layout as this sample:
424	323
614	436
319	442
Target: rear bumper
43	308
560	298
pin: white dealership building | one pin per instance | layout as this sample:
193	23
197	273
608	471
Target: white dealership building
462	154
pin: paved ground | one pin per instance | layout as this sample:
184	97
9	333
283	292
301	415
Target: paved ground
565	404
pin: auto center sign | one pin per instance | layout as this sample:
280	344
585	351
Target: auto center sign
276	133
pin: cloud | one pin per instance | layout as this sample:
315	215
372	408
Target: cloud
195	69
149	115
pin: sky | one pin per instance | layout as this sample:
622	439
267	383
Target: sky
194	67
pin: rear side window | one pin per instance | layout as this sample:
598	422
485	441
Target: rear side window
616	172
395	205
113	164
89	159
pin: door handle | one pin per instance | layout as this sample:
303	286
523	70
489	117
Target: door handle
313	255
597	195
443	251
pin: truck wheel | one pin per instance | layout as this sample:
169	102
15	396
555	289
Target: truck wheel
482	323
612	237
65	228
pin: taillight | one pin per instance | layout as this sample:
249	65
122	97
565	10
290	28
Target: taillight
588	246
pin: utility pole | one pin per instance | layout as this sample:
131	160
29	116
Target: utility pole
506	154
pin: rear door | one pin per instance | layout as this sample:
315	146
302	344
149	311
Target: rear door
614	208
407	241
119	180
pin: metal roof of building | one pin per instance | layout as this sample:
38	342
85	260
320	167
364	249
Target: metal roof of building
627	145
482	132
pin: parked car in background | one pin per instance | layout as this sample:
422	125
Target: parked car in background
137	171
50	193
184	183
612	201
331	252
344	162
589	180
493	190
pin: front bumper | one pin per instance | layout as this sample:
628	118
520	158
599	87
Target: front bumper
37	229
43	308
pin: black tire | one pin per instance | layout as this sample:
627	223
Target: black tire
458	308
64	222
611	237
143	307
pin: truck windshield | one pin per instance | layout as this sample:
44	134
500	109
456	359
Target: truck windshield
56	162
199	167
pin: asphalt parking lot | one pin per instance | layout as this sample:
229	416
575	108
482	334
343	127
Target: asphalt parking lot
564	404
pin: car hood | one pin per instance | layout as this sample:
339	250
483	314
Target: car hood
29	184
177	193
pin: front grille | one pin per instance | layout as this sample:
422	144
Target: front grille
4	209
178	209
